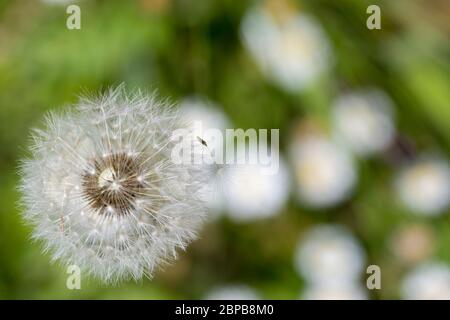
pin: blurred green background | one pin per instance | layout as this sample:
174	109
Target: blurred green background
184	48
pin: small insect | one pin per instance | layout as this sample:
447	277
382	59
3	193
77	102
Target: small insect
203	142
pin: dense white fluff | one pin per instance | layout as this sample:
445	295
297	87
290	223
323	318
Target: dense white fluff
102	192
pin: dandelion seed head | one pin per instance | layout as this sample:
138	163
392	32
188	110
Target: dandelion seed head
102	192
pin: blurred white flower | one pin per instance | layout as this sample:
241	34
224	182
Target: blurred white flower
428	281
250	194
212	195
335	292
200	111
413	243
202	115
102	192
293	50
363	121
329	255
324	172
233	292
424	186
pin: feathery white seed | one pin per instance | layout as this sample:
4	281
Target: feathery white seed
101	191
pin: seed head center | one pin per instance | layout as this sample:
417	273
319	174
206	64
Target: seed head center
114	187
108	179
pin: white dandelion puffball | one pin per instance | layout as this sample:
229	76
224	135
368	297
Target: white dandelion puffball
102	191
329	254
424	186
292	51
233	292
325	174
347	291
363	121
251	194
428	281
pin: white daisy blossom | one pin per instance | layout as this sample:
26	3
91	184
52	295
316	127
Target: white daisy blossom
233	292
249	194
329	255
335	292
424	186
324	172
363	120
102	192
293	51
428	281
